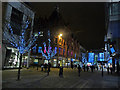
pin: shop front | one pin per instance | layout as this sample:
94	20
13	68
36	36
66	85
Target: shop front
54	64
69	62
11	58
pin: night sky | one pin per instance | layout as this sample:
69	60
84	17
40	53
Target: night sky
87	18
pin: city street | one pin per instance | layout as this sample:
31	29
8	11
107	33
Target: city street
32	78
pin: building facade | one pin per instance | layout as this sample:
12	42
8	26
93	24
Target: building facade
67	48
112	38
15	13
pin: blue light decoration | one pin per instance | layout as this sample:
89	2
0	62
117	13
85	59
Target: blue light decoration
39	49
110	60
59	50
34	49
49	53
19	41
112	50
91	57
84	59
63	51
75	55
55	49
101	57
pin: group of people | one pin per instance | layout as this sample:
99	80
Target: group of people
46	67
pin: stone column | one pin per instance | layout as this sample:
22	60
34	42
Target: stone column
28	59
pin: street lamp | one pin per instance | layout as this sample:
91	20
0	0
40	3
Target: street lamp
60	35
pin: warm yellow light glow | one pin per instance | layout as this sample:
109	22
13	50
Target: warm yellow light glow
60	34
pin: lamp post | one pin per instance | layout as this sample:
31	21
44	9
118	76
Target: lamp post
60	37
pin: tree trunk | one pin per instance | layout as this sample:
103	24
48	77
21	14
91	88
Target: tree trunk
18	78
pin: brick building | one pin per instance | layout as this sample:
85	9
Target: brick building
62	40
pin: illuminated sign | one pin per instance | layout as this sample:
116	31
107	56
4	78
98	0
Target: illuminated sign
112	50
91	57
101	57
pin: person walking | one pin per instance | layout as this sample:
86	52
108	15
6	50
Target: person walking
42	67
108	69
84	67
49	65
87	68
92	68
79	68
61	72
45	66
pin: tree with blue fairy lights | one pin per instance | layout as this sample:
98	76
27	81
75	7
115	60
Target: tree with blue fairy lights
18	41
50	53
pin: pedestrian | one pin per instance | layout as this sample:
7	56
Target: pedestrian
87	68
97	68
111	69
45	66
72	66
84	67
79	68
61	72
49	65
42	67
108	69
92	68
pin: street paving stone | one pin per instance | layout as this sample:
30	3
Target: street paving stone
33	78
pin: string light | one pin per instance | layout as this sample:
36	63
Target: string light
49	52
19	41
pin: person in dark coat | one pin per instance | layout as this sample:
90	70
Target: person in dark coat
92	68
45	66
42	67
87	67
49	65
61	72
111	69
84	67
79	68
108	69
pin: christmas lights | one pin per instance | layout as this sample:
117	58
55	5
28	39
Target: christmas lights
19	41
49	52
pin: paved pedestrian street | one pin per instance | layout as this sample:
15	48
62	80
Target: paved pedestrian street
33	78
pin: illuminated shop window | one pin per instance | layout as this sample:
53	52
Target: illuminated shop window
55	49
101	56
91	57
59	50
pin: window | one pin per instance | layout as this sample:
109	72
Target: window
16	21
55	49
59	50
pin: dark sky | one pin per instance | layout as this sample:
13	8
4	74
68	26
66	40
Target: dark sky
87	18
